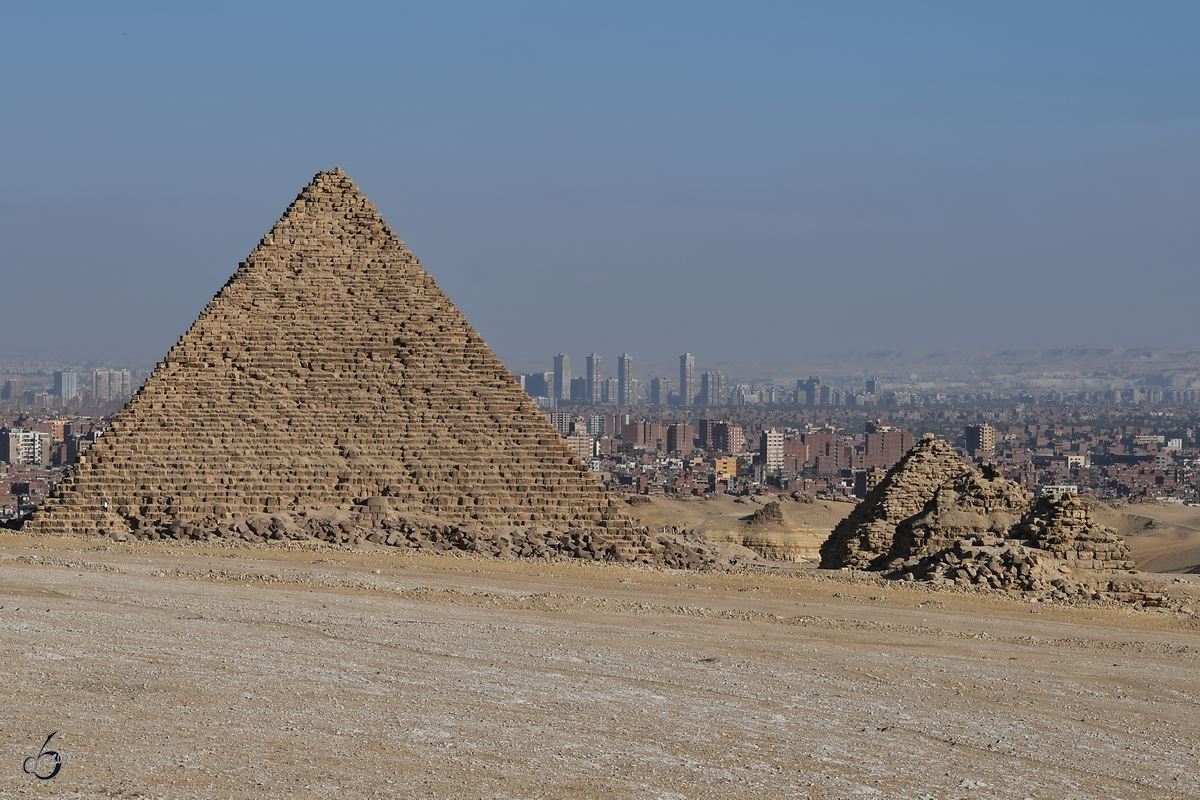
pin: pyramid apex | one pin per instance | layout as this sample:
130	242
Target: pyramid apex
337	173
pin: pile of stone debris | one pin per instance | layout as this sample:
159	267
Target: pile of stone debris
375	522
935	519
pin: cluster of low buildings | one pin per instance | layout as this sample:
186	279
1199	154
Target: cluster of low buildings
818	439
794	437
1124	462
48	418
34	453
651	454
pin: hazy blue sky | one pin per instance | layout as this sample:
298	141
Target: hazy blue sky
750	182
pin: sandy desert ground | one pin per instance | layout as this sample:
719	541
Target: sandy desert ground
205	671
725	519
1162	537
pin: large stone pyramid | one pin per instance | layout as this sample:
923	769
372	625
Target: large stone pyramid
329	372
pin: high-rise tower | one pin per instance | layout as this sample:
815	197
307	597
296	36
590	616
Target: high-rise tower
981	438
595	383
66	384
714	389
562	378
687	379
660	391
625	380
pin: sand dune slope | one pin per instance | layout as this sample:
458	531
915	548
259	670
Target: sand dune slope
726	519
1161	537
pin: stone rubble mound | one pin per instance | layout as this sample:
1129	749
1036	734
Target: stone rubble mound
377	524
998	563
979	529
770	514
976	503
1063	526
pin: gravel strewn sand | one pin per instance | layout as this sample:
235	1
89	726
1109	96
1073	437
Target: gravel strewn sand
189	672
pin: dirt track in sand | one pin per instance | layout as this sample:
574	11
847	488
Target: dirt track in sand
189	672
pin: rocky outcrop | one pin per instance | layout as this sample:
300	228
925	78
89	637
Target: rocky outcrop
867	533
769	515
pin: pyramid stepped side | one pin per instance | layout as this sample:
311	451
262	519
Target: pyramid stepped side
980	529
1062	525
328	370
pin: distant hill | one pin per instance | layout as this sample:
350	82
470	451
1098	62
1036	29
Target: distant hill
1066	366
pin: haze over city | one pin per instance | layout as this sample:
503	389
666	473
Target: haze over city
753	184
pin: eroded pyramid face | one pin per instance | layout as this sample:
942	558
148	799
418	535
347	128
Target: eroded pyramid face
329	369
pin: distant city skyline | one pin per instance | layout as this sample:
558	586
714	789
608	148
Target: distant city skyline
753	185
1033	370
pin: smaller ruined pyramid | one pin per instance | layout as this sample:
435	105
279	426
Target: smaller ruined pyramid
867	533
935	519
329	371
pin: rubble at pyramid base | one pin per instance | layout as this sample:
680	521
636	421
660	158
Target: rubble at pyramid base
375	524
1022	567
